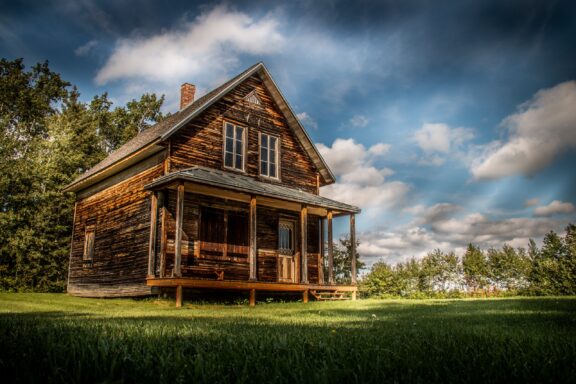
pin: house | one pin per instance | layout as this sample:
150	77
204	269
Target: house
223	194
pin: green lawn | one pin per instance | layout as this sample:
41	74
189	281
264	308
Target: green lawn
57	338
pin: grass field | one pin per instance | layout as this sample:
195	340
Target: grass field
57	338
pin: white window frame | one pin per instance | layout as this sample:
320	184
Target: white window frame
277	152
234	153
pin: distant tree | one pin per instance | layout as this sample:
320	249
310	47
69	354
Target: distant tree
381	280
475	268
343	260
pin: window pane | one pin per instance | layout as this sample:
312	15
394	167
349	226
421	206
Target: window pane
239	133
264	141
229	130
238	164
228	159
264	168
229	144
272	170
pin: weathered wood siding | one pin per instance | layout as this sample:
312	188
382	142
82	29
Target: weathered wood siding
199	263
201	141
121	218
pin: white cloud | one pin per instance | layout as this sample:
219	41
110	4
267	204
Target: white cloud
439	141
307	120
555	207
542	128
83	50
531	202
433	137
442	226
361	182
440	137
211	42
359	121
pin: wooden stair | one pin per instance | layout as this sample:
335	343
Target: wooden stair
329	295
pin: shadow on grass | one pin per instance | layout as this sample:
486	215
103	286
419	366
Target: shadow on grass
452	341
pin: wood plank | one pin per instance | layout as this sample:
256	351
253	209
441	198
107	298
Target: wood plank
153	226
178	237
178	296
330	250
253	236
304	244
353	247
244	285
321	253
252	297
305	296
163	232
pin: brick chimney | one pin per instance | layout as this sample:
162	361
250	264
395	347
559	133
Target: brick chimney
187	92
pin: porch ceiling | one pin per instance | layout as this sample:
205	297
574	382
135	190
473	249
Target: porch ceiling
249	186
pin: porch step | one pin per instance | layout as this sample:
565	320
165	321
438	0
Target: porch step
329	295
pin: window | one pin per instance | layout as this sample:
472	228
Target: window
268	156
234	146
89	237
286	238
224	233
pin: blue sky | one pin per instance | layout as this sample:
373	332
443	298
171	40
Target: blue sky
448	122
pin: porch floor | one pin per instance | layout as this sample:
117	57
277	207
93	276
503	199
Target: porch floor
251	286
244	285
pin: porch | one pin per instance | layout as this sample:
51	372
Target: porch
215	230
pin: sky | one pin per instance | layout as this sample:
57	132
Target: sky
447	122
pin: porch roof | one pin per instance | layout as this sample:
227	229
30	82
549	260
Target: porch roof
245	184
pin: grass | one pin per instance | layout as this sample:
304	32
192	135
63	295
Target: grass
58	338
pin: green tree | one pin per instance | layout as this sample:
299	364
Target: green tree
475	268
47	138
343	260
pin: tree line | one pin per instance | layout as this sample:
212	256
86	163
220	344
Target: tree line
47	138
546	270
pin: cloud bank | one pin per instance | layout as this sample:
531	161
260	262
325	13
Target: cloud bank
542	128
360	181
211	42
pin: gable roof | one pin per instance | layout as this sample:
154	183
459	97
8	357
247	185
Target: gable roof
147	142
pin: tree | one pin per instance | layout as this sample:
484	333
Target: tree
47	138
343	260
475	268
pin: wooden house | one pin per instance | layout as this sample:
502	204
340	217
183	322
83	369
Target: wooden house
223	194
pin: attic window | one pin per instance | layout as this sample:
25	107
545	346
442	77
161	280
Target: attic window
253	98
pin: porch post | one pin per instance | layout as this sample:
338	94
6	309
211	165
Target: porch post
330	250
304	244
321	254
353	247
163	202
178	239
153	226
253	250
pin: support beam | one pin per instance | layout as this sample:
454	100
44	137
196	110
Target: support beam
153	226
304	244
330	250
178	296
353	247
305	296
253	267
178	238
163	202
321	254
252	297
353	295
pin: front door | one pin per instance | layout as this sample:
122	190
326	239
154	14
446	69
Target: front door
286	254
